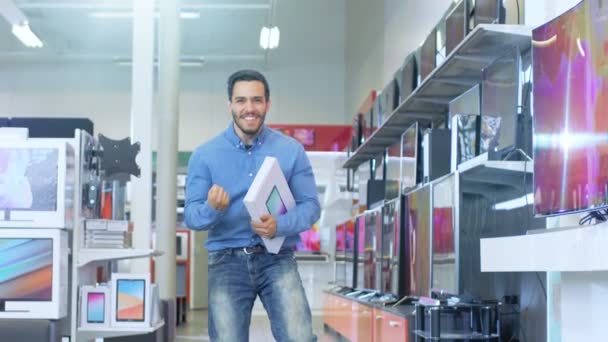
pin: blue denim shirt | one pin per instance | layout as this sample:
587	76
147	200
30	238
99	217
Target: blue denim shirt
225	161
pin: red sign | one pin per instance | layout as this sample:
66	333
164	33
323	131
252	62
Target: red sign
318	137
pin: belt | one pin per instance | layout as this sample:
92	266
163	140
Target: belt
258	249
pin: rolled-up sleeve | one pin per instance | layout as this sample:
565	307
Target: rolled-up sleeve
303	187
198	214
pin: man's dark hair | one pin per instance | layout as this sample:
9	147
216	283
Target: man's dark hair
247	75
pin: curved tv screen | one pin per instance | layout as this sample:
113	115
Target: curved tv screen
570	66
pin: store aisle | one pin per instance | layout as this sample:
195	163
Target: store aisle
196	328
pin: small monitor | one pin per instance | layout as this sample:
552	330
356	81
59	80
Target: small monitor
500	98
428	55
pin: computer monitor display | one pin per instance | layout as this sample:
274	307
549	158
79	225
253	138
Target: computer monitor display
500	93
455	23
570	101
428	55
26	269
489	12
419	240
410	175
444	256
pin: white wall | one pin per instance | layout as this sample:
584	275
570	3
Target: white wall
308	94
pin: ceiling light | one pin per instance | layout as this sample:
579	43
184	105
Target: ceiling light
269	37
184	62
26	36
129	14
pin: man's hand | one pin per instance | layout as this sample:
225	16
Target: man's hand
267	228
217	198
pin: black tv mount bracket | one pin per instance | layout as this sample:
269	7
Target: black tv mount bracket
118	157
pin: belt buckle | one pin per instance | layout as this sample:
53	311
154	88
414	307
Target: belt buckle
246	252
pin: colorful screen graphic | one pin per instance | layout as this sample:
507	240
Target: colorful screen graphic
419	240
310	240
130	304
28	178
341	237
26	269
274	203
96	307
570	102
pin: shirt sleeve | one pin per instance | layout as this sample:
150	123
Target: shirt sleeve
304	189
198	214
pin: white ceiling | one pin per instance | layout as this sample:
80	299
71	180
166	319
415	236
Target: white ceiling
312	31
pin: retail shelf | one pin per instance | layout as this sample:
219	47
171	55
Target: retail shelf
305	257
580	249
499	179
456	336
87	255
91	333
457	74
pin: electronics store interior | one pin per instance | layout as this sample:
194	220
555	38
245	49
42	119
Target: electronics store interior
456	146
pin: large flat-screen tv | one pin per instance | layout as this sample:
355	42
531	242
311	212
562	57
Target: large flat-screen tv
33	273
408	81
411	159
392	169
359	251
391	235
570	99
428	55
310	240
500	98
456	26
36	184
444	271
373	219
418	219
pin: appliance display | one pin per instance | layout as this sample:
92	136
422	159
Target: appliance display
500	90
489	12
465	138
410	166
310	240
392	167
444	277
391	249
428	55
570	97
359	252
350	252
33	273
419	240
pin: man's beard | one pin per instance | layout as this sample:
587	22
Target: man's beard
247	131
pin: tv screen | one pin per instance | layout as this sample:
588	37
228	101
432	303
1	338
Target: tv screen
130	303
570	99
489	12
310	240
443	261
96	307
28	179
372	220
455	27
26	269
409	77
341	238
419	240
409	175
500	89
428	52
390	242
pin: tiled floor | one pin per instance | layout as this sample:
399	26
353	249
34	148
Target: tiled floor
196	327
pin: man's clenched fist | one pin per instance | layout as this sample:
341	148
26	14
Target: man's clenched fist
217	198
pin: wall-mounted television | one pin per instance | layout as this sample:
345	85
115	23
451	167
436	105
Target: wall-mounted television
570	99
33	273
36	183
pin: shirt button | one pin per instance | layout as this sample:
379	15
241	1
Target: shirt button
249	153
250	174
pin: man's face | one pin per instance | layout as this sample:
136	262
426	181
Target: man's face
249	106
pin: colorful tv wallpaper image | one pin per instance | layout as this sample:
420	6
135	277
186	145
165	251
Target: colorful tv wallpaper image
310	240
130	299
26	269
95	307
570	65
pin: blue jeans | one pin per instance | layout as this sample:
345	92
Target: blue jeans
237	278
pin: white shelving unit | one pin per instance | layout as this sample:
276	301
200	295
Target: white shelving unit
106	332
89	255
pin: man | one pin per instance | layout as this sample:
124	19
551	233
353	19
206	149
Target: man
220	173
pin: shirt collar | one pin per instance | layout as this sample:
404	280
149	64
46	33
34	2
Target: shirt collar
234	139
